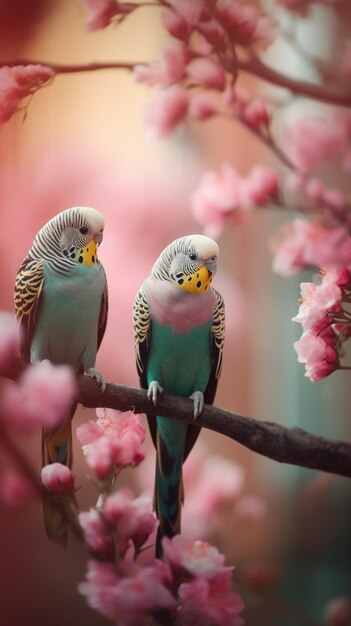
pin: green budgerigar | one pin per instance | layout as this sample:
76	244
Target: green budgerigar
179	335
61	303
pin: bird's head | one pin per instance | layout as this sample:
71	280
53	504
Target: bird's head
72	235
190	263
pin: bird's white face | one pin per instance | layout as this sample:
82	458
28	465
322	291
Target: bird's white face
194	265
81	235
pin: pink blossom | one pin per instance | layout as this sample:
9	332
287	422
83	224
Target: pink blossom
197	558
169	71
317	301
103	11
312	141
114	441
176	25
240	21
96	532
213	33
204	601
256	114
193	12
16	489
132	519
316	350
218	198
127	593
42	397
218	482
58	478
207	72
168	109
266	32
18	82
200	107
8	339
114	422
338	612
308	243
261	185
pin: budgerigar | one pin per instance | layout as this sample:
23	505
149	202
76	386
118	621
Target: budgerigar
61	303
179	335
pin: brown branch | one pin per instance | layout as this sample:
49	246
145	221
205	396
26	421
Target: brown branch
297	87
285	445
252	66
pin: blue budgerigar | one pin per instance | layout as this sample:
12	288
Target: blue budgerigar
61	303
179	335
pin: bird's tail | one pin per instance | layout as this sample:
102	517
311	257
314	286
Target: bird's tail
56	448
169	492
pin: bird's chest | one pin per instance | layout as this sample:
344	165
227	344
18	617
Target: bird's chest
181	362
69	315
181	312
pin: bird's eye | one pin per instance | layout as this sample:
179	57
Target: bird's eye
192	256
83	230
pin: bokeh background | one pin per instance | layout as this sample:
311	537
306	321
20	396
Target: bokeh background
82	141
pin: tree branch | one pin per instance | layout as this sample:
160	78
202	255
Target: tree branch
293	446
297	87
252	66
285	445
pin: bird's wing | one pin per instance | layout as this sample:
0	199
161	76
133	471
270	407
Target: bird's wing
103	314
217	342
142	335
28	294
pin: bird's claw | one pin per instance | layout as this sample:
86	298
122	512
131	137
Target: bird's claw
154	390
198	399
97	376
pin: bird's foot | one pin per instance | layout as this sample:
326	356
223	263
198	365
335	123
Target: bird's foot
154	390
97	376
198	399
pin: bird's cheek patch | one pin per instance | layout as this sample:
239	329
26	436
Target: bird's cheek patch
199	282
87	255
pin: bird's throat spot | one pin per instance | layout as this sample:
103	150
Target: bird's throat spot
199	282
87	255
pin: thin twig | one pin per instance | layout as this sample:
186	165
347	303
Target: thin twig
298	87
252	66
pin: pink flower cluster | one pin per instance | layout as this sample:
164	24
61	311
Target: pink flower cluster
112	442
102	12
325	324
192	584
307	244
312	141
198	61
206	595
18	82
130	520
220	22
224	198
42	396
127	593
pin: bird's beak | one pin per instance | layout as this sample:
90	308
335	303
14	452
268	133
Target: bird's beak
211	264
98	238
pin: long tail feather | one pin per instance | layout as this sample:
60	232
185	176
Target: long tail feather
169	492
56	448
